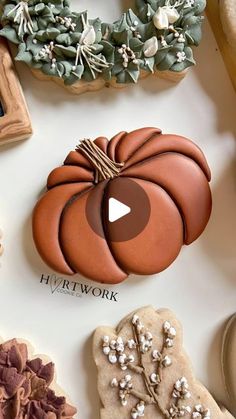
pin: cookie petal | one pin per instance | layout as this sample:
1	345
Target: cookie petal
46	224
187	185
167	143
69	174
86	248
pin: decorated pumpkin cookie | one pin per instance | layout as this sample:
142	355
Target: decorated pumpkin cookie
143	371
87	54
124	206
229	360
27	386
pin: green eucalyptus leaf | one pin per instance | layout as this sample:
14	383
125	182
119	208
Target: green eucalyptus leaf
161	54
194	34
39	7
148	64
167	62
24	55
64	39
66	51
52	33
49	70
117	68
97	48
75	37
121	37
136	45
10	33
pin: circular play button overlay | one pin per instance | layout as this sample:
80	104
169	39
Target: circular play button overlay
125	209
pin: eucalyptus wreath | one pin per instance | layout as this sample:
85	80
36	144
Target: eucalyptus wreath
51	37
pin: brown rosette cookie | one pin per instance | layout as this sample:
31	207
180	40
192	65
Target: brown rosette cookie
163	179
143	371
26	386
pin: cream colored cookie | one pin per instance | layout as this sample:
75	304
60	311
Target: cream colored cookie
28	387
228	18
229	360
143	371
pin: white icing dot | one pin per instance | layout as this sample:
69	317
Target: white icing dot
106	350
112	358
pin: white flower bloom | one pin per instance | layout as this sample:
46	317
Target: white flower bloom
138	411
189	3
113	344
201	412
88	36
156	355
154	378
150	47
169	342
112	358
135	317
181	56
166	362
181	38
166	326
172	332
106	350
114	382
165	16
131	344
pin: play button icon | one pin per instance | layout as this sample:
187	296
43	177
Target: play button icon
117	210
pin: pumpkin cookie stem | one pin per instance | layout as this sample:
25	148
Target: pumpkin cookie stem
104	166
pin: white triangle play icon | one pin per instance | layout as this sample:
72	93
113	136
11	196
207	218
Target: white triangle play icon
117	210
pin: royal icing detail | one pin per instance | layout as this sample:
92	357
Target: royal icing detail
68	45
131	356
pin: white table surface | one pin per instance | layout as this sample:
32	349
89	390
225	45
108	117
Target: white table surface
200	286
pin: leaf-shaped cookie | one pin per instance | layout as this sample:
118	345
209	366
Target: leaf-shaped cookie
143	371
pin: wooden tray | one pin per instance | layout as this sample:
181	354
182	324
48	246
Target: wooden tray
228	53
15	123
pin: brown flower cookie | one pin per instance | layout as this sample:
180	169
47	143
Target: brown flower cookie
26	386
143	371
229	360
163	179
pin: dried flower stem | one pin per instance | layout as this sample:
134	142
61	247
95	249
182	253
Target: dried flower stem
23	17
148	384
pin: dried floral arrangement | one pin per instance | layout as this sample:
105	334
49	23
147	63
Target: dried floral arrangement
26	385
68	45
144	372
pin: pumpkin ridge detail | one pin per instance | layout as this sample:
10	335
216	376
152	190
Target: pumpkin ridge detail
105	230
142	136
170	195
68	203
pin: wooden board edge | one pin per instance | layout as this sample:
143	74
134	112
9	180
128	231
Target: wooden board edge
15	125
228	53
